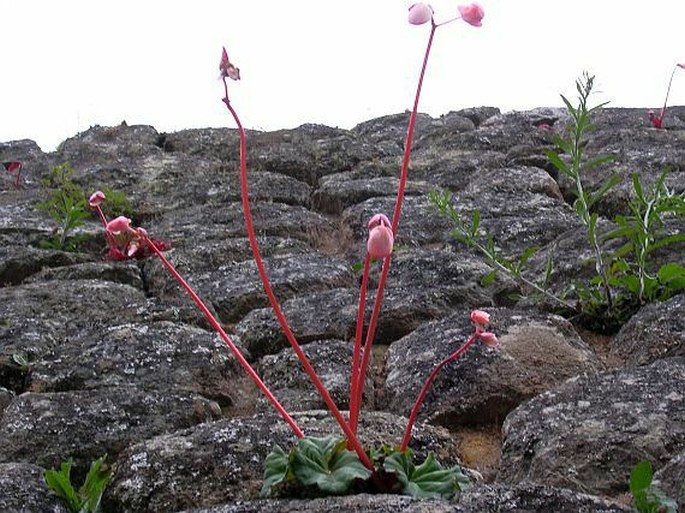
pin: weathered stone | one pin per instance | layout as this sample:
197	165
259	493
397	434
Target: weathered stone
525	498
126	273
656	331
223	461
23	490
537	352
588	433
49	428
159	356
670	479
332	361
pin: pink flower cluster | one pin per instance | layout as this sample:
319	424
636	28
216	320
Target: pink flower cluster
421	13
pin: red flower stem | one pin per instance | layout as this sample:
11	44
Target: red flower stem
103	219
354	384
395	222
427	385
352	439
668	91
227	340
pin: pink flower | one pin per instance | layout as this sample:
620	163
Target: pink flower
119	225
227	68
96	199
381	239
420	13
489	339
655	120
480	318
472	14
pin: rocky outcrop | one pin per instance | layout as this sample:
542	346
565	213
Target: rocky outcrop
112	357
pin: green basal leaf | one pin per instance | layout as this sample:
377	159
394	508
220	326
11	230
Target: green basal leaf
489	278
97	479
672	275
59	481
641	476
276	468
328	464
428	479
637	186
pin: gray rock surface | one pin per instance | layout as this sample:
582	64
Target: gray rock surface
588	433
99	356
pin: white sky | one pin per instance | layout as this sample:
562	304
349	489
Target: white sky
70	64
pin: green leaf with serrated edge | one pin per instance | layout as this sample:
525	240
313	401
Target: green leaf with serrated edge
637	186
679	237
59	481
328	464
528	252
598	161
427	480
489	278
276	469
94	486
672	275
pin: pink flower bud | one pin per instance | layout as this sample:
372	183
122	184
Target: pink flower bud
96	199
681	65
381	239
489	339
118	225
472	14
420	13
480	317
227	68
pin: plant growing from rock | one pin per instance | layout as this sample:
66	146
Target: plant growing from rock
87	498
330	465
643	231
657	120
66	205
648	497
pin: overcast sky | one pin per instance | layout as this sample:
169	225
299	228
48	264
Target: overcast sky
70	64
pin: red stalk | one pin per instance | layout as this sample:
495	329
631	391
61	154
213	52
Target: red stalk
354	409
395	222
224	336
352	439
427	385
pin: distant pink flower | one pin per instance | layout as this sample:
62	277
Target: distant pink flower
480	318
96	199
420	13
12	167
489	339
227	68
655	120
380	242
472	14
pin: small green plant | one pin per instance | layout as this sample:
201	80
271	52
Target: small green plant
575	164
66	205
324	466
647	496
643	232
471	234
87	498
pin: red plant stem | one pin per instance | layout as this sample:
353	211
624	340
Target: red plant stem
354	410
395	222
103	219
668	90
427	385
352	439
227	340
